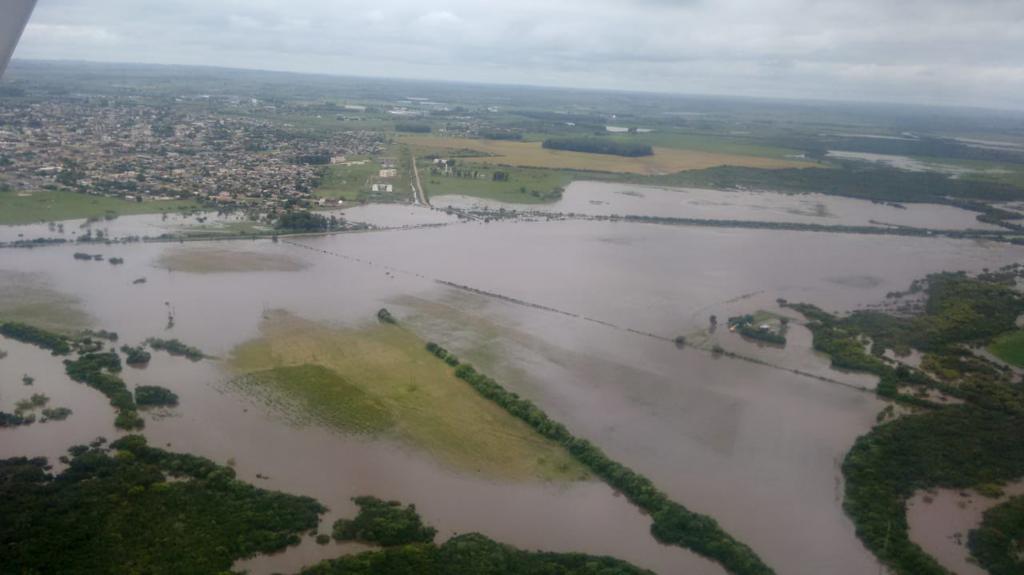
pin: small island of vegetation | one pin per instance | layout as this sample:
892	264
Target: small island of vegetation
176	347
135	356
763	327
99	371
673	524
155	396
56	343
306	221
385	523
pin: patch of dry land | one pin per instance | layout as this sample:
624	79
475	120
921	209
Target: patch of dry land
380	381
211	260
533	155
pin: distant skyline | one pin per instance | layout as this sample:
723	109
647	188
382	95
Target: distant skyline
961	52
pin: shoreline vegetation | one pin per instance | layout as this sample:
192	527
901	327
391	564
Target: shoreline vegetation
384	523
93	367
673	524
996	543
1010	236
176	348
170	512
408	549
971	444
135	508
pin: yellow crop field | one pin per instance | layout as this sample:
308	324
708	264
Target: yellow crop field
533	155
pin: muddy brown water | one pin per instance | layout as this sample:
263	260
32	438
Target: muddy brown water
757	447
603	199
940	521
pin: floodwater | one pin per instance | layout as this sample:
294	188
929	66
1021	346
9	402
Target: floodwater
605	199
396	216
909	164
940	520
755	445
382	216
140	226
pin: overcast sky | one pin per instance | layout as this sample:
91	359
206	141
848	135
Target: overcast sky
929	51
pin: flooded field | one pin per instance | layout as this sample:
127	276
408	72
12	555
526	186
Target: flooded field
603	199
576	316
141	226
906	163
211	224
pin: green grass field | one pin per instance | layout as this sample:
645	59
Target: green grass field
381	379
1009	348
348	183
314	393
49	206
525	185
238	228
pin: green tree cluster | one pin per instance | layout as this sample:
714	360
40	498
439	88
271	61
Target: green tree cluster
117	512
973	444
954	447
306	221
155	396
56	343
176	347
99	371
136	355
998	544
593	145
471	554
385	523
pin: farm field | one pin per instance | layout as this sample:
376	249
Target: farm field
531	154
390	384
26	208
524	185
347	182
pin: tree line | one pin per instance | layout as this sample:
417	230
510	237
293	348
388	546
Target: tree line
673	524
593	145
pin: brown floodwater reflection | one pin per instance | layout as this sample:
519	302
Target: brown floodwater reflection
755	446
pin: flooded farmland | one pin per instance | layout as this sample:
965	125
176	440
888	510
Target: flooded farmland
606	199
577	316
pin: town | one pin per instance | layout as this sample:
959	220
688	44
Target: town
210	149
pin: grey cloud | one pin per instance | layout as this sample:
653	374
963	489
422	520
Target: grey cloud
948	51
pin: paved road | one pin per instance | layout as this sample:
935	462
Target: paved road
418	195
